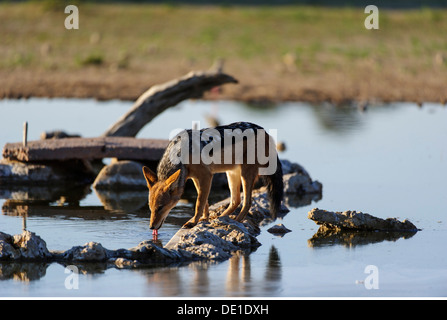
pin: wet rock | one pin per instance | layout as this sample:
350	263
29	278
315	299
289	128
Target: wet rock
260	208
90	252
206	251
351	228
358	221
351	238
120	174
18	172
27	173
290	167
123	263
299	188
147	251
31	246
203	244
7	250
25	246
239	234
214	240
300	183
279	230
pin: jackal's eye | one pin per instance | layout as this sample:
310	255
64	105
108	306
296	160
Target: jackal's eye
160	207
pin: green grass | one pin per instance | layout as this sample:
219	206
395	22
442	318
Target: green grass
93	59
137	36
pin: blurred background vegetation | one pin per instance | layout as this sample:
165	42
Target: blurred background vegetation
121	34
283	37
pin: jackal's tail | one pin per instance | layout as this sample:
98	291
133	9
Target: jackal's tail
275	189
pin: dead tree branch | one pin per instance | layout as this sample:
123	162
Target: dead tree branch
160	97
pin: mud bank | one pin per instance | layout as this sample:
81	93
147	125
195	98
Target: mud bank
333	87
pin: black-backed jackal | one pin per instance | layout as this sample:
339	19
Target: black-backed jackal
243	150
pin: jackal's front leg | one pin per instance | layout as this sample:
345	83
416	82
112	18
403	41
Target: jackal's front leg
203	186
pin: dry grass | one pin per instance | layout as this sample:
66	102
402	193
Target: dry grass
287	52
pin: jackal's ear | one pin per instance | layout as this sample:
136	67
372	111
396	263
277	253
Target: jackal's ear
151	178
171	181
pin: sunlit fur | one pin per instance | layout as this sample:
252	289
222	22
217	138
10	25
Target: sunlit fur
166	188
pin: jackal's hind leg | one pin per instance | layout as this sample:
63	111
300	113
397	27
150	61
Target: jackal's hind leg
234	183
248	181
206	213
203	187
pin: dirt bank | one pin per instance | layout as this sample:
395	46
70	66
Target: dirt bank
253	86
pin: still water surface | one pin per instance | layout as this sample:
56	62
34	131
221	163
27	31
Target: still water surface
389	161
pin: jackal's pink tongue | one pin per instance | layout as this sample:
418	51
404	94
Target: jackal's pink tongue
155	232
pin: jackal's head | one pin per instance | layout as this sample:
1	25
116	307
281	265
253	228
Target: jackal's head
163	195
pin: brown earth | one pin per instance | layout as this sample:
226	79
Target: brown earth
257	86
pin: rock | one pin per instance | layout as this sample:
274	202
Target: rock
358	221
18	172
123	263
214	240
24	246
203	244
297	180
351	238
31	246
279	229
236	233
300	183
260	208
27	173
90	252
148	251
121	174
7	250
290	167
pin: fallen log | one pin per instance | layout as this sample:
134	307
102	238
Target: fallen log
86	148
160	97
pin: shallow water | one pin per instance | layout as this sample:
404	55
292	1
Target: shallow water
389	161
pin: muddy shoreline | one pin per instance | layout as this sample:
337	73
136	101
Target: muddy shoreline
126	85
